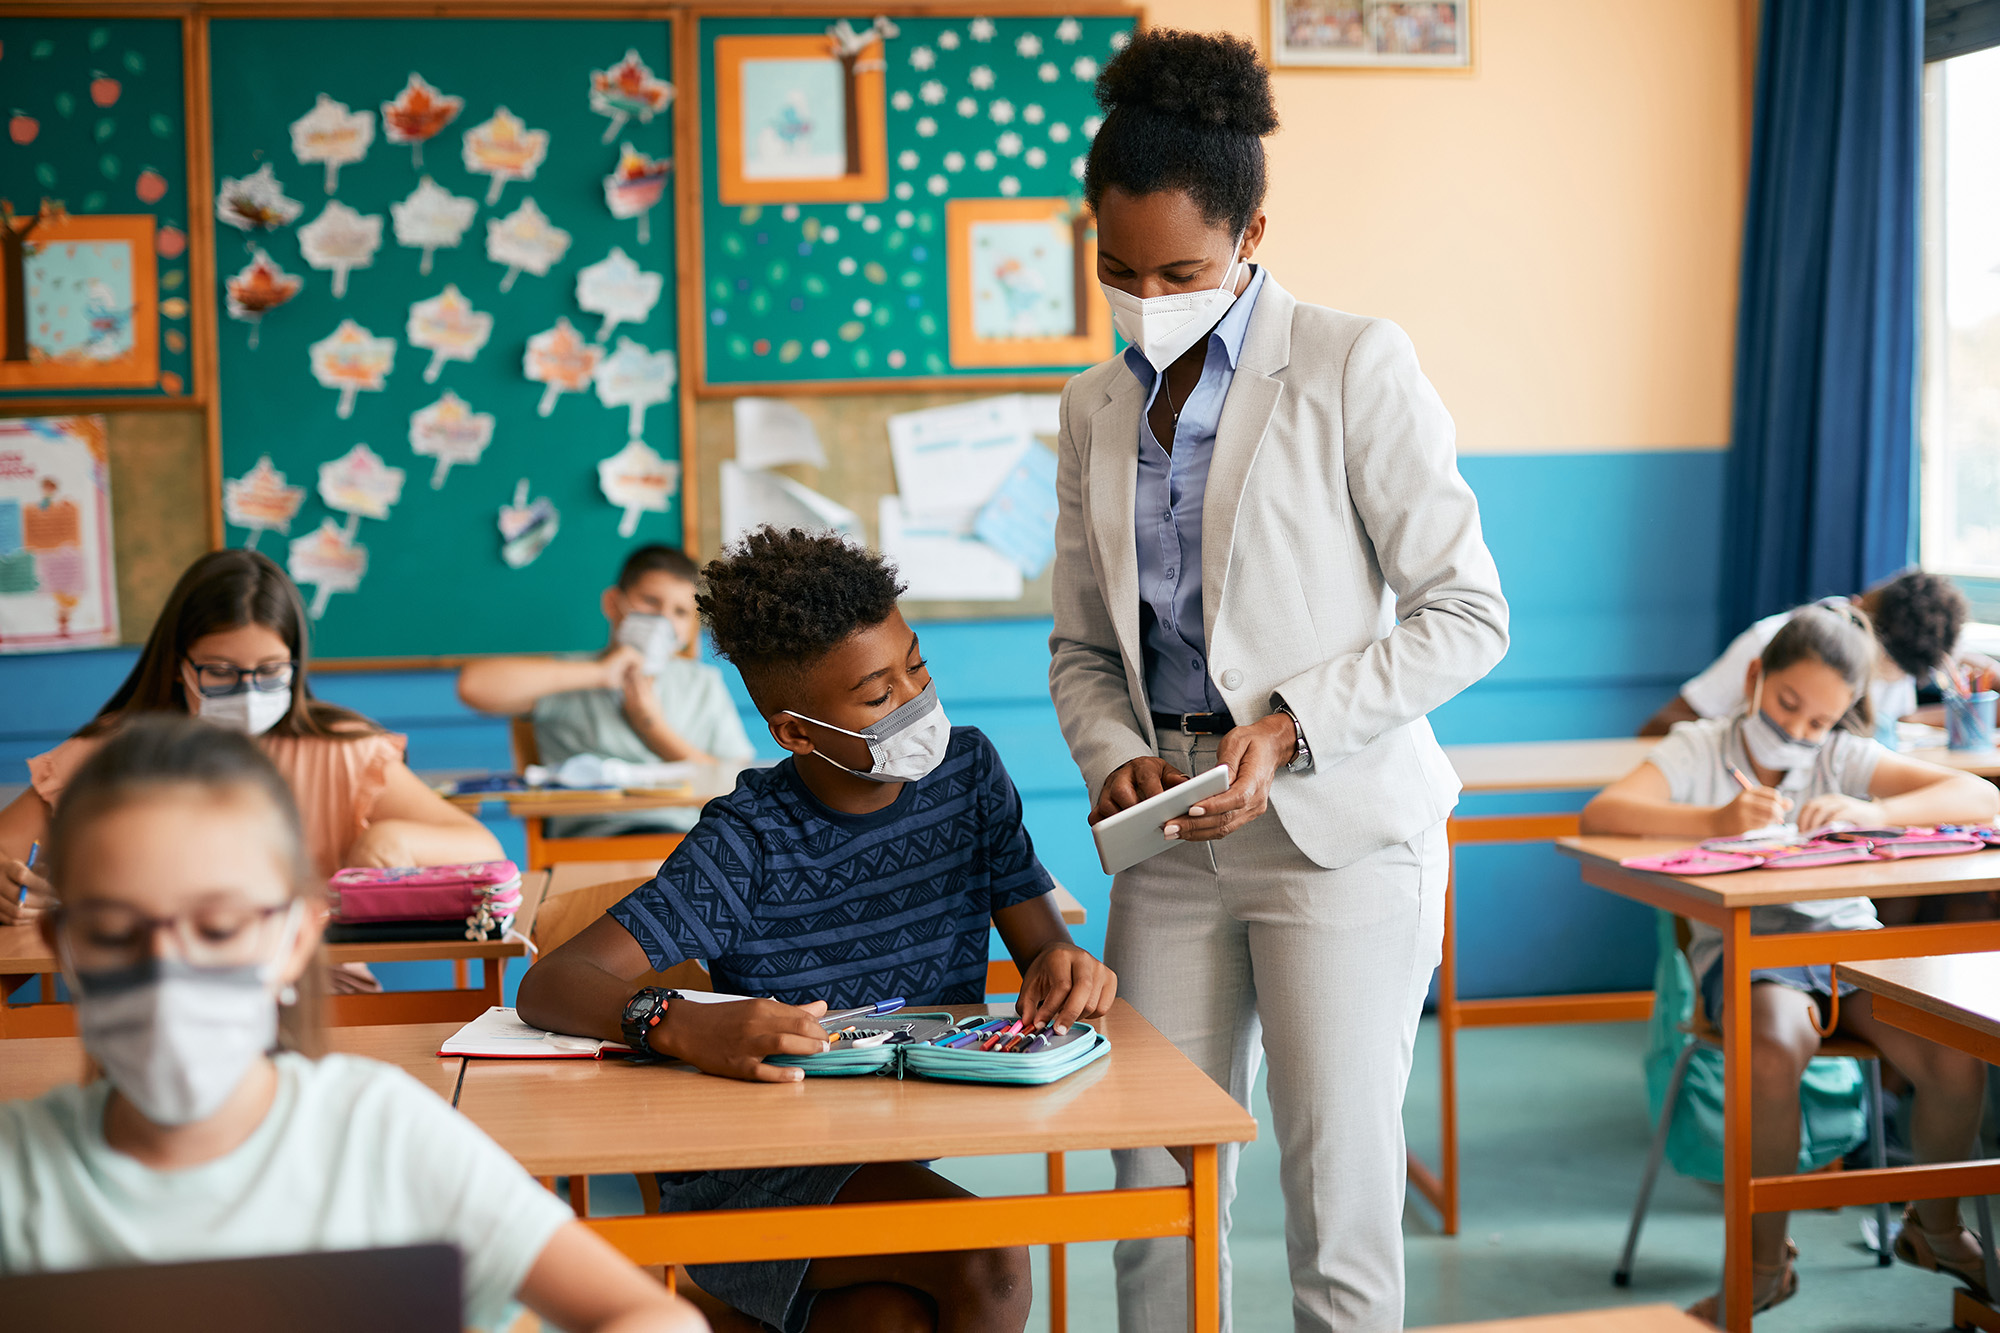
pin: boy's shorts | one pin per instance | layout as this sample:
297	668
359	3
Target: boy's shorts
767	1290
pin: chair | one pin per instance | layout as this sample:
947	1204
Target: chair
545	851
1705	1033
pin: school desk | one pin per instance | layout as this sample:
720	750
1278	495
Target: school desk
709	781
1724	901
23	955
604	1117
1629	1319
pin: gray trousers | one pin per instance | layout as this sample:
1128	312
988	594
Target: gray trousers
1243	947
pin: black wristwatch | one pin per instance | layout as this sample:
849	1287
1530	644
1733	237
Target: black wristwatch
646	1010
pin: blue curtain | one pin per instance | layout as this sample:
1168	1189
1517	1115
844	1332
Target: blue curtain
1823	450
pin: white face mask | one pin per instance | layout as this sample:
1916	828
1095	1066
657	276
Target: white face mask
1770	744
654	637
906	745
1163	327
250	711
178	1039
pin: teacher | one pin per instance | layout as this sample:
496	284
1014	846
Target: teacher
1265	557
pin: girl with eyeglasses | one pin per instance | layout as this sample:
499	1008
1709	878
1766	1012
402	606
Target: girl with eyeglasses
230	648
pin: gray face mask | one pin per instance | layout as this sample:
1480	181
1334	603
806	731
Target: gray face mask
1770	744
653	636
905	746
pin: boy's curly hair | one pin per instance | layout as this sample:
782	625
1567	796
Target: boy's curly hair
1918	617
778	601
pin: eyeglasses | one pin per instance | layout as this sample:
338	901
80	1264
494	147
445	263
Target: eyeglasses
223	932
216	679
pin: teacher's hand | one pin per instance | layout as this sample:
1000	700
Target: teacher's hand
1148	775
1253	754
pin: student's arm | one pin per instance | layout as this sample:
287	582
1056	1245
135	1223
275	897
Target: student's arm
511	685
581	988
1906	791
642	710
1639	803
411	825
23	823
1060	981
580	1283
1676	709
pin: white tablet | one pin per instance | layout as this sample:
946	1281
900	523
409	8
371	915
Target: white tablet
1133	834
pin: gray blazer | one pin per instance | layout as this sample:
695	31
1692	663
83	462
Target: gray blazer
1342	567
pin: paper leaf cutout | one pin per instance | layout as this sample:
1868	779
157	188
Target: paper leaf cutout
259	287
618	289
341	239
431	218
255	202
559	358
261	501
332	134
351	359
448	328
331	560
527	528
635	186
451	432
505	149
626	90
635	478
634	378
418	113
360	483
524	239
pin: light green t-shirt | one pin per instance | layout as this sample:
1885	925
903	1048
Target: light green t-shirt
695	701
354	1154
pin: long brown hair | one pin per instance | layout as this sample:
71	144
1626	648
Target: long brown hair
150	754
1836	635
221	591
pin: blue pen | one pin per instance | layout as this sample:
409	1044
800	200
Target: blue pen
34	850
889	1006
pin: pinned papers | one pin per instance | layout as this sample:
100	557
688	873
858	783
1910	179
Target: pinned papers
950	460
524	239
334	135
359	484
261	501
941	564
341	239
635	186
627	90
618	289
329	560
772	433
560	359
505	149
635	479
634	378
431	218
255	203
418	113
448	328
527	527
1020	520
752	498
451	432
351	359
259	286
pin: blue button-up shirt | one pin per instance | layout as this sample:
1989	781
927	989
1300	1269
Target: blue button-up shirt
1167	520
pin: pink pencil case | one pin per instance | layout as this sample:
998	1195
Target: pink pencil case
1694	861
1928	842
478	894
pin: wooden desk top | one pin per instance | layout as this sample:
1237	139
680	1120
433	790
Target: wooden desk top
1547	765
573	875
1985	763
33	1065
1755	888
1963	988
708	782
1630	1319
564	1117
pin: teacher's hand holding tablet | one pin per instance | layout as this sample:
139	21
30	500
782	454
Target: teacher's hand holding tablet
1252	754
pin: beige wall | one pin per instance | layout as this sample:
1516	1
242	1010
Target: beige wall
1557	231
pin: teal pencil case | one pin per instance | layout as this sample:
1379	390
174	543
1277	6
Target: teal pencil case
911	1048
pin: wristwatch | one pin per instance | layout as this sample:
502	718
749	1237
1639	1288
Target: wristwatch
1302	757
646	1010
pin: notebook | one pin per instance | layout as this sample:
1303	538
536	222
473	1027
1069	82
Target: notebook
499	1034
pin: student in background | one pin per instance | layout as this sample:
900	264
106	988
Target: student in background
640	700
1800	734
882	815
230	648
187	917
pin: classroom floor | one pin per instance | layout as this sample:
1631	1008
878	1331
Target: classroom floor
1552	1166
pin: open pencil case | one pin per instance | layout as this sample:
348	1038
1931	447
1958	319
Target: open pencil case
911	1050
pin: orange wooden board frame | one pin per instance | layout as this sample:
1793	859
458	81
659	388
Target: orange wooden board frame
972	350
867	177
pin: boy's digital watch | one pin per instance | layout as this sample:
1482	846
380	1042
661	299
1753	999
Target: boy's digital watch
646	1010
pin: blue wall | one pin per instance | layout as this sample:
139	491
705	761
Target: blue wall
1610	563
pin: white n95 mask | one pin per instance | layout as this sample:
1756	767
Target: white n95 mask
250	711
1163	327
906	745
654	637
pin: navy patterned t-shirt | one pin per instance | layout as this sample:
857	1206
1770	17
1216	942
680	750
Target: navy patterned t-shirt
781	896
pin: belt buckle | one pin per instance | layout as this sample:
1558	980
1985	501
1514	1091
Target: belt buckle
1186	730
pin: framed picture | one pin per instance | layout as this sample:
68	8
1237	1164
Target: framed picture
79	301
1024	284
798	121
1371	34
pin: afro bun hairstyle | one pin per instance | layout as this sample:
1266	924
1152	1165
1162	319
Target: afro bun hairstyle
778	601
1918	617
1185	111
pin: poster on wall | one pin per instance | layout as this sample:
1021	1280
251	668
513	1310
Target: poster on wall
1371	34
57	589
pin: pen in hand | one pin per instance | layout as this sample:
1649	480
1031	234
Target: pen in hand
34	850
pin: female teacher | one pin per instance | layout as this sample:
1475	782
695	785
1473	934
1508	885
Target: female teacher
1265	558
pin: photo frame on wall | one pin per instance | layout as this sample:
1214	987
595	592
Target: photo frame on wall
80	296
1401	35
1023	276
798	120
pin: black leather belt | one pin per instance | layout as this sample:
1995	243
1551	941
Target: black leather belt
1194	724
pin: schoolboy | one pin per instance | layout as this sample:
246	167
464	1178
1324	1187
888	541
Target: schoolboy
867	864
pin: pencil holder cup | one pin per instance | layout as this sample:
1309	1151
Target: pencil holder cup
1969	725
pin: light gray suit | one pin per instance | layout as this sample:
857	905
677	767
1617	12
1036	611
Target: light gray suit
1343	569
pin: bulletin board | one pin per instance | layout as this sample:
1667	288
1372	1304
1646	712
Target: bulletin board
435	581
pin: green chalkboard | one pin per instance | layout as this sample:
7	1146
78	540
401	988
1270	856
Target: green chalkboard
95	121
812	293
436	584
